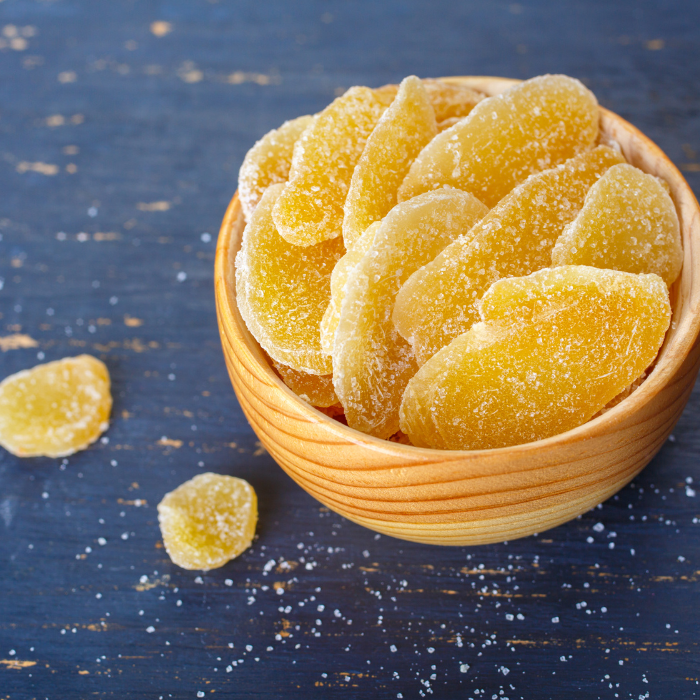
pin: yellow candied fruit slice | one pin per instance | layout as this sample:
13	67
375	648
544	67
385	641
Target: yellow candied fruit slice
629	223
554	348
400	135
310	210
371	362
268	162
451	101
55	409
440	301
283	290
313	388
532	126
339	277
208	520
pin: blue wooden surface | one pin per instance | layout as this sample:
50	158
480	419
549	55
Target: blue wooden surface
119	152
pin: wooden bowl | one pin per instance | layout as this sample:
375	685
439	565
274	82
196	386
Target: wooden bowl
461	497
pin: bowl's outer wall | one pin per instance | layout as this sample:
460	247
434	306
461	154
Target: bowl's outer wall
457	498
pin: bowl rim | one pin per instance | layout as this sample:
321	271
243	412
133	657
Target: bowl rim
675	349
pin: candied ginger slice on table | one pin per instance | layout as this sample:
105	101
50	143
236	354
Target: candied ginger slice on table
339	277
283	290
310	209
208	520
268	162
451	101
55	409
628	222
313	388
371	362
440	300
553	349
399	136
535	125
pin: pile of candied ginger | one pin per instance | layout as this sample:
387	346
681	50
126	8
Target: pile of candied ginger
456	271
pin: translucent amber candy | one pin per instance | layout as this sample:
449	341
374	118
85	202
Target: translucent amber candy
553	349
55	409
310	210
268	162
400	135
534	125
283	290
440	301
628	222
371	362
313	388
208	520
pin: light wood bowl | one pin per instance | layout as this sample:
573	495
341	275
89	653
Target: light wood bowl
460	497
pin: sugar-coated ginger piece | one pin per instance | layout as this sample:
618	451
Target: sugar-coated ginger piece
629	223
440	301
339	277
553	349
505	138
55	409
283	290
310	210
451	101
208	520
313	388
268	162
400	135
371	362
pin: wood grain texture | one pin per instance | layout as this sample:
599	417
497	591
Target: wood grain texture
460	497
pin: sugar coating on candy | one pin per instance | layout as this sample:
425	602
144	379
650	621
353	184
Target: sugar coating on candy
451	101
283	290
310	210
55	409
313	388
399	136
530	127
628	222
553	349
371	362
208	520
339	277
268	162
440	301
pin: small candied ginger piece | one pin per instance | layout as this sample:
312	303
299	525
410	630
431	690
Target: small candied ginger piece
451	101
313	388
283	290
371	362
208	520
268	162
629	223
310	210
55	409
532	126
339	277
400	135
440	301
553	349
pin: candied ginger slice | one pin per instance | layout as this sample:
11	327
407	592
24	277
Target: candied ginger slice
268	162
313	388
554	348
310	209
339	277
208	520
55	409
532	126
283	290
371	362
451	101
628	222
400	135
440	301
